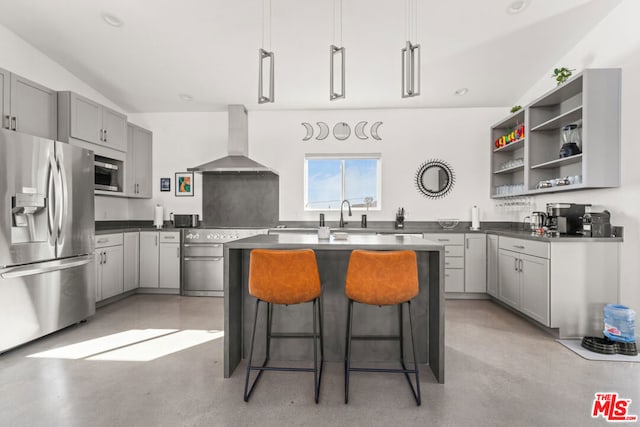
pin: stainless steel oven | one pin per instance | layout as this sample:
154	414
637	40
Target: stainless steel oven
203	259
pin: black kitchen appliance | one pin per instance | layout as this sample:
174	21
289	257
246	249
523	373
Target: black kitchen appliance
596	224
565	218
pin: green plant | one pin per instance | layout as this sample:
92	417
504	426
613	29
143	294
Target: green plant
562	74
515	108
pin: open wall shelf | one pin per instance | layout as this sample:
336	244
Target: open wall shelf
590	100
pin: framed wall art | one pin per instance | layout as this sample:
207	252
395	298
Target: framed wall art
165	184
184	183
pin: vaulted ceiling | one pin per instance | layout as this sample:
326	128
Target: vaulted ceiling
208	49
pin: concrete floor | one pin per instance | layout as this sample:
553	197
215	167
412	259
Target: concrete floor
500	371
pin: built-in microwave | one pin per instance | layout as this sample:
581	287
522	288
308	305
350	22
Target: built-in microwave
108	174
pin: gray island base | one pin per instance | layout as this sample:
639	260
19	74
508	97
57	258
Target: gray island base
333	257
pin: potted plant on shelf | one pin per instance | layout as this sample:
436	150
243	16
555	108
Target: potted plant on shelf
561	75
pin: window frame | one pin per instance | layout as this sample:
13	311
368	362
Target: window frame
343	157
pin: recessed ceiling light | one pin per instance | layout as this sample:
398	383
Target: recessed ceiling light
185	97
462	91
518	6
112	20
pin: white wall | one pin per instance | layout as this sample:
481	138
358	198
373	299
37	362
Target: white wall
180	140
409	137
615	42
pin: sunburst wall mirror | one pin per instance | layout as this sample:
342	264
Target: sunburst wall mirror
435	178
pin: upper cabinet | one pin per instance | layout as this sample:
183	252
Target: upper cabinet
139	166
570	139
27	107
83	119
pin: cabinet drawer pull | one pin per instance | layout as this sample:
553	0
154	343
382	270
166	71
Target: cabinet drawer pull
515	264
443	240
14	120
169	237
520	265
447	263
518	246
8	126
102	240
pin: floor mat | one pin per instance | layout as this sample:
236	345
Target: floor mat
576	347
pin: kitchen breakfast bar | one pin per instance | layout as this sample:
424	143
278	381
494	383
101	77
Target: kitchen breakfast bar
333	258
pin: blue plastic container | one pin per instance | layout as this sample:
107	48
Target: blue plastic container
619	323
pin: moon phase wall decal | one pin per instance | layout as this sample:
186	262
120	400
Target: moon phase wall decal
374	131
324	131
360	131
309	129
342	131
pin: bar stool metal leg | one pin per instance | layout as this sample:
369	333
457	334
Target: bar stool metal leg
347	362
247	391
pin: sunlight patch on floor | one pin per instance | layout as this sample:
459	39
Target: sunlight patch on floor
135	345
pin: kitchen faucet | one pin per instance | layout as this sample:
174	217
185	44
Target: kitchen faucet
342	223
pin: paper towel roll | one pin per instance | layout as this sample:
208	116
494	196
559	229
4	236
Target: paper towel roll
475	218
158	217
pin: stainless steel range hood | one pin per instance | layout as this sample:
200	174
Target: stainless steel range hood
238	148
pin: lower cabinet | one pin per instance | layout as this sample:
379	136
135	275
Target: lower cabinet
523	277
465	265
149	258
160	259
131	261
109	266
492	265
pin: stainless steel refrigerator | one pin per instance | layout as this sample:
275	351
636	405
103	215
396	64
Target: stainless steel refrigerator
47	275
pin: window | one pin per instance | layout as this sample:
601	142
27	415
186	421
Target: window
330	179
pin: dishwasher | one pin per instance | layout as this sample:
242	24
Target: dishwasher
203	259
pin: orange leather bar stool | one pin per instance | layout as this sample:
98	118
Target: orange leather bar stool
382	278
285	277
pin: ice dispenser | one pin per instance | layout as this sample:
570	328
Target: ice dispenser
24	207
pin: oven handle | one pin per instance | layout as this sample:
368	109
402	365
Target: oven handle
204	258
205	245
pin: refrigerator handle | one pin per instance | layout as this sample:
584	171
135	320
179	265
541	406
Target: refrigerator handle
45	267
57	191
64	197
52	194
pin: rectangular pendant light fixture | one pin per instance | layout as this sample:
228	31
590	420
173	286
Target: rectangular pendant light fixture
410	70
336	72
265	82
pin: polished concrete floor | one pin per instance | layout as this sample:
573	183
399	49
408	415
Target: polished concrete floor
120	371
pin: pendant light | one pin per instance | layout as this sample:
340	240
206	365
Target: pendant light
411	53
337	56
266	58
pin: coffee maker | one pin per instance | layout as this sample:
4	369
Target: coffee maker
565	218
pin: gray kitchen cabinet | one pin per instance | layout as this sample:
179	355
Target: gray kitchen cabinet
453	259
524	281
492	265
139	162
131	261
508	278
169	265
465	261
27	106
109	266
160	259
591	100
83	119
149	259
475	262
535	288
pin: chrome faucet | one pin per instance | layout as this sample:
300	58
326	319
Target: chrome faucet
342	223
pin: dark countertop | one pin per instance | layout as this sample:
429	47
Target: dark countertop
508	229
353	241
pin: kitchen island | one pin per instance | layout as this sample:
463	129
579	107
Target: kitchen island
333	258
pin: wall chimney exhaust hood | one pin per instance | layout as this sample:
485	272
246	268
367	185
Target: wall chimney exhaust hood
238	148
